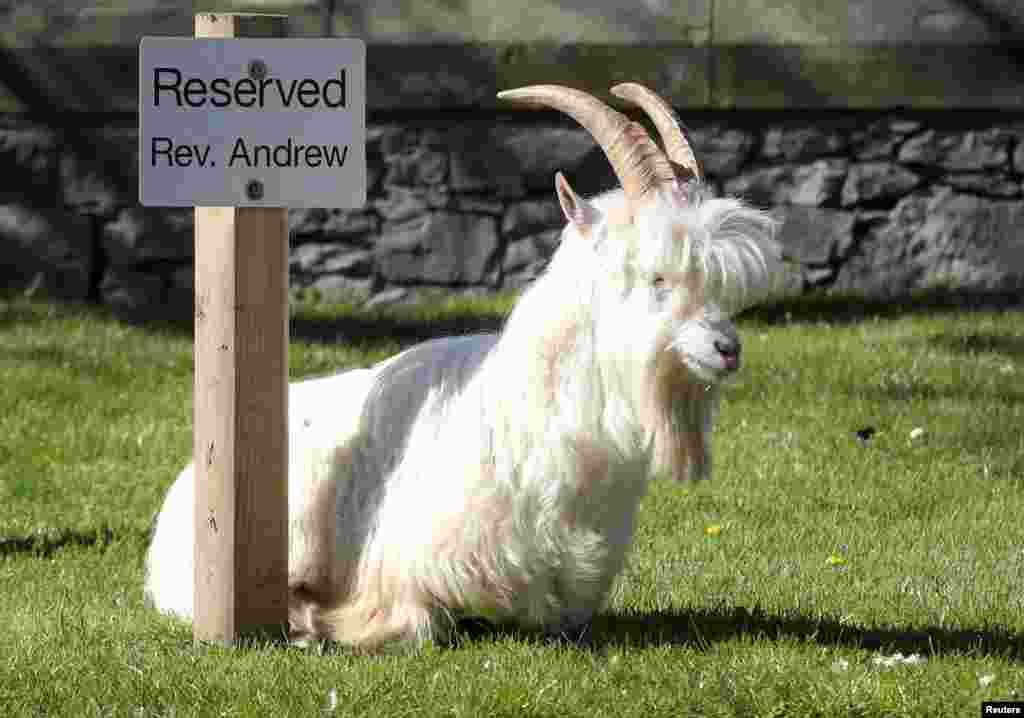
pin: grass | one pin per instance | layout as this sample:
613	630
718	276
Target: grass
772	590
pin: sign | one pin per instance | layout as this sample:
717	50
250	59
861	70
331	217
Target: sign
252	122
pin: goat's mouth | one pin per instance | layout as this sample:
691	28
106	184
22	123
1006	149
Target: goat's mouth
714	366
729	356
707	369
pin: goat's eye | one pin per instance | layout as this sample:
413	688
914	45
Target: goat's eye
658	281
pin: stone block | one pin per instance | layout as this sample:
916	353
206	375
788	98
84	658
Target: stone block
904	127
521	254
339	288
811	185
131	292
179	291
419	166
814	236
100	172
392	139
970	241
721	150
145	234
358	262
539	152
48	249
480	162
814	277
970	150
399	204
877	181
439	248
800	143
524	276
29	161
184	277
389	296
877	141
473	204
333	225
530	217
991	184
307	257
316	260
942	239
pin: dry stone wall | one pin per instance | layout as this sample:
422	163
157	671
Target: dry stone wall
877	203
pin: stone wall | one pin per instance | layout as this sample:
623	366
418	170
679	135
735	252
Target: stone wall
870	202
792	107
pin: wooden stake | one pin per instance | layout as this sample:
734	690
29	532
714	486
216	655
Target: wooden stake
240	434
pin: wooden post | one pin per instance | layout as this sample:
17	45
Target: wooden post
327	11
240	434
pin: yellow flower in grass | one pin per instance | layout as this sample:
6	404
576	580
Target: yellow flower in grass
713	530
836	560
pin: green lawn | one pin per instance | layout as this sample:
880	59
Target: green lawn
771	590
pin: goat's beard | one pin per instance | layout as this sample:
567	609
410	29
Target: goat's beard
679	409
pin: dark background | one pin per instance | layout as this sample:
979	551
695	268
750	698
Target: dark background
887	135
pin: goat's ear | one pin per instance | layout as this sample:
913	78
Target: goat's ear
577	210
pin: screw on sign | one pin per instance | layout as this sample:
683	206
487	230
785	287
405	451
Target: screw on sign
254	190
258	69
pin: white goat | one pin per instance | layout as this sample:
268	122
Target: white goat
498	476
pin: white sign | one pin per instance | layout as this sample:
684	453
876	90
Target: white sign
252	122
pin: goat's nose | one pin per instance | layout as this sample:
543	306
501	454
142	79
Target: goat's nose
730	351
726	347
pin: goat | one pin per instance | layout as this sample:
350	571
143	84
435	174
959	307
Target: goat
498	476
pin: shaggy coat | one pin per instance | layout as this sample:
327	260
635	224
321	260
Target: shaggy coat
498	476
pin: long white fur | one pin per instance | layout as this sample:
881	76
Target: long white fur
498	476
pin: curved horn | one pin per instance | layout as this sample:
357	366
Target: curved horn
638	162
669	126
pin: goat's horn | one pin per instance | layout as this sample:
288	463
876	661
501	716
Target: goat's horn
669	126
638	162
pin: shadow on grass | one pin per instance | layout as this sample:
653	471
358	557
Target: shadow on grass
390	328
45	544
93	366
328	324
922	390
702	628
1008	345
415	323
848	309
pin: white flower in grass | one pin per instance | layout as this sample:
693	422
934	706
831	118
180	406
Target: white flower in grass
916	433
840	665
886	661
898	658
986	680
331	704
